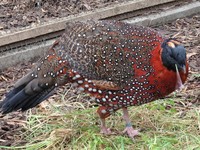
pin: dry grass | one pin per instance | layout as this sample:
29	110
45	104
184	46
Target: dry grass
164	124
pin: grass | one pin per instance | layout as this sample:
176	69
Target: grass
196	75
163	127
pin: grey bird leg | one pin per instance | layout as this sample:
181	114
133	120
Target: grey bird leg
129	129
104	129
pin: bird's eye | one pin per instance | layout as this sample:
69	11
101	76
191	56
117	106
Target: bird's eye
173	43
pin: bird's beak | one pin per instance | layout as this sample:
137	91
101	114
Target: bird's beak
179	83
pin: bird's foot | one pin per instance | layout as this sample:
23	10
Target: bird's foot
131	132
106	131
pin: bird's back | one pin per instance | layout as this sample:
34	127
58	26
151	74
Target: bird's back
108	50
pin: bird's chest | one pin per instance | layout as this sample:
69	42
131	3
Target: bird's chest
143	90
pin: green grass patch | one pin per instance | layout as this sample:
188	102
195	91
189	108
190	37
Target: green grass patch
162	128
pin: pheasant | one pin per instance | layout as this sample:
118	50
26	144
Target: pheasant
119	64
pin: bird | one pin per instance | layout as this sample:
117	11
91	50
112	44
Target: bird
119	64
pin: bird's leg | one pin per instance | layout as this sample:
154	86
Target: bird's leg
103	113
129	129
104	129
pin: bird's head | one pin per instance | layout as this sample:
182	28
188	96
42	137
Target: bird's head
173	55
174	58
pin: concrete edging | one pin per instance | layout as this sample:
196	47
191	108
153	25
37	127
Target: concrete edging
166	16
162	17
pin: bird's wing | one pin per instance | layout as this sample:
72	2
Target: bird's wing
101	51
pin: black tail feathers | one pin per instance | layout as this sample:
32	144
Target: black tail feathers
27	93
19	99
36	86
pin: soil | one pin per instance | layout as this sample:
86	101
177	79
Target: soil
187	30
22	13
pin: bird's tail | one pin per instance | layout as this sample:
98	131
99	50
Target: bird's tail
36	86
19	98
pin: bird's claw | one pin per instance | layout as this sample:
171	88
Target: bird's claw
106	131
131	132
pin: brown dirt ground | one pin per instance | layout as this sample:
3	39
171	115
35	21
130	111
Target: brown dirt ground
187	30
22	13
